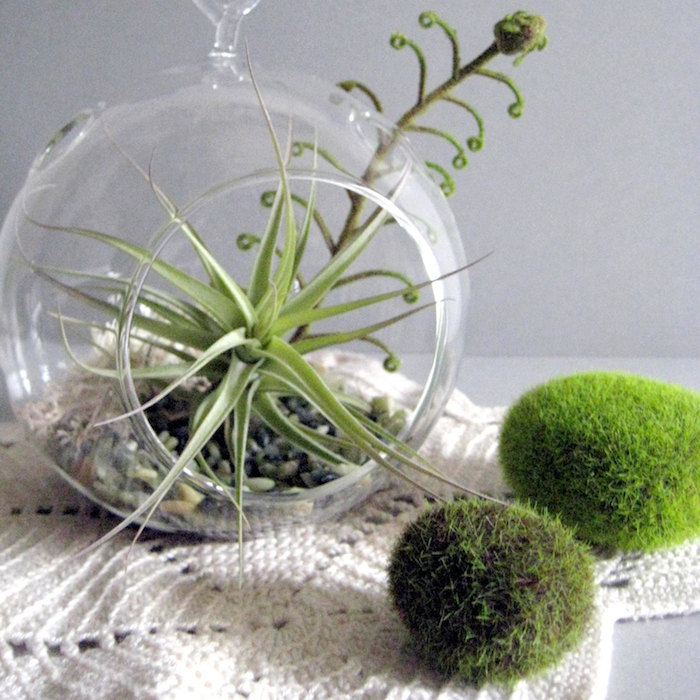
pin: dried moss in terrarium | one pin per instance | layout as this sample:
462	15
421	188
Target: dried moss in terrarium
491	593
616	456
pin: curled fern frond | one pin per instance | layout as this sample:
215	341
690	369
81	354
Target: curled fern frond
474	143
516	108
399	41
447	184
246	241
267	200
410	296
460	159
520	34
392	362
430	19
301	147
350	85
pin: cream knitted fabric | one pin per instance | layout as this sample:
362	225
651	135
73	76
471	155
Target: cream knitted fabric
311	620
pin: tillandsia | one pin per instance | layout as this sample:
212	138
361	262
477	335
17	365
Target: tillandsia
245	345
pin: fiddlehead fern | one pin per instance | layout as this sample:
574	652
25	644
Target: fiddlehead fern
410	296
399	41
447	183
350	85
301	147
267	200
474	143
392	362
247	241
460	159
428	20
516	108
518	34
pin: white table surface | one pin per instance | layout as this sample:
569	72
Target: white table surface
652	660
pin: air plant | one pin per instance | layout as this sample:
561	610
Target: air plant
247	344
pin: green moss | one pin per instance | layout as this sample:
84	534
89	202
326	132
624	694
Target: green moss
491	593
614	455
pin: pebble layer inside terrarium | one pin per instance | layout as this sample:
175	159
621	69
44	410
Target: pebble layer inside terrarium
202	157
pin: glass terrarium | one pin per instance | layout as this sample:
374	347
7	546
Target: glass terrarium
199	261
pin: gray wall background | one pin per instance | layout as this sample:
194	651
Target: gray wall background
589	201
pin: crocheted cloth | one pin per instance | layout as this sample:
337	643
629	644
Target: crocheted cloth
312	618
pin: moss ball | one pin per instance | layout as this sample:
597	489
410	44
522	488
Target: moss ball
614	455
491	593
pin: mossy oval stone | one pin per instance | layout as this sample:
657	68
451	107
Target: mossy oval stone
616	456
491	593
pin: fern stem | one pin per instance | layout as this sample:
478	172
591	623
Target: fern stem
407	120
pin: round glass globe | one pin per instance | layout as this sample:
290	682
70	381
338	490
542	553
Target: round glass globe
102	214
